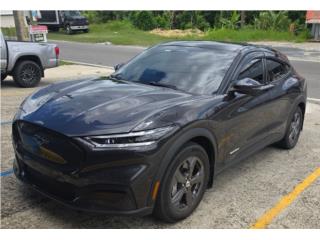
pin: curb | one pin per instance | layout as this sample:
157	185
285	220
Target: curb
314	100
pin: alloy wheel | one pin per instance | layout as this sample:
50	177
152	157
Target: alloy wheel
29	73
295	127
187	183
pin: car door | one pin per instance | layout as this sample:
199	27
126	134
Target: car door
281	76
248	119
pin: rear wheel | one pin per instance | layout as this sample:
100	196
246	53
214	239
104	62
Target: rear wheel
293	130
184	184
27	74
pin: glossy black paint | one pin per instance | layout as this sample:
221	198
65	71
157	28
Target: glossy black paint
229	124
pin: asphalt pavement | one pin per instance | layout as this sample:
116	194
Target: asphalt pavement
305	62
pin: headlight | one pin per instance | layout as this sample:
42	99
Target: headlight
133	139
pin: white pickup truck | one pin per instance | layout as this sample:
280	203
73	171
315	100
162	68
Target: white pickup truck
26	61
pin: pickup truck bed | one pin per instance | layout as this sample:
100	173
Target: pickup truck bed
26	61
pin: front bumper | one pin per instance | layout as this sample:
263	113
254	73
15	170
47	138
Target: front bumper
82	27
107	181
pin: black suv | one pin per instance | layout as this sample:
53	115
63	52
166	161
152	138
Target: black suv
150	137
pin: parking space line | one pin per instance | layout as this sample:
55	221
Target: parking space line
6	173
285	201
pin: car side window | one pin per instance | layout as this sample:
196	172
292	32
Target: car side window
253	70
276	70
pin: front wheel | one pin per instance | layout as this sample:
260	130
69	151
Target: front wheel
184	184
293	130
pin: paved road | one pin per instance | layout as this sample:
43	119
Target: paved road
110	55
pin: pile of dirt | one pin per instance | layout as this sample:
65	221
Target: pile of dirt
177	32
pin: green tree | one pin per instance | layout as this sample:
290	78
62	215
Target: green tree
232	22
270	20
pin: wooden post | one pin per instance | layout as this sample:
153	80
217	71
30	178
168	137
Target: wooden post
20	25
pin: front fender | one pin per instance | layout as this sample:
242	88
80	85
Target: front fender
198	129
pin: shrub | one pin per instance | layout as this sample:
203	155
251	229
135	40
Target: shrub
143	20
191	19
163	21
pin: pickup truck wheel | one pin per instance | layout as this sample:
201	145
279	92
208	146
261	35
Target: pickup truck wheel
27	74
3	76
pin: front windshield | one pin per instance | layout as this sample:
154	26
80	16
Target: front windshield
72	13
191	69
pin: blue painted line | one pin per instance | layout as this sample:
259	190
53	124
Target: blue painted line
5	122
6	173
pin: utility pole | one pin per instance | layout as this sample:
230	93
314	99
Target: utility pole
20	26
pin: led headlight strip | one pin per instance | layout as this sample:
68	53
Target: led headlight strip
133	139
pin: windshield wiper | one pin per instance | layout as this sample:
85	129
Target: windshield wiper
161	85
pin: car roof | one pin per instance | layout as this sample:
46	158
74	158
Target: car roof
228	46
205	44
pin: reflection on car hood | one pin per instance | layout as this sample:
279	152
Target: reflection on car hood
98	106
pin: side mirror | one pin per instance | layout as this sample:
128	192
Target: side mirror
250	86
118	66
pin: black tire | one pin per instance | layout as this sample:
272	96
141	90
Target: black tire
294	127
86	30
68	29
179	194
3	76
27	74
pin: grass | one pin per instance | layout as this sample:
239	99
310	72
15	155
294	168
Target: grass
253	35
62	62
9	32
123	33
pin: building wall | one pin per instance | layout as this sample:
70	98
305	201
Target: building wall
6	21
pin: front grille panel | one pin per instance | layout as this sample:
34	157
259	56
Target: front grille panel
80	22
47	147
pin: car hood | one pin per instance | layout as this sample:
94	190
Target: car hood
98	106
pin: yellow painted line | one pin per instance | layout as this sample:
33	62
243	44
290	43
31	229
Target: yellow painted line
285	201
